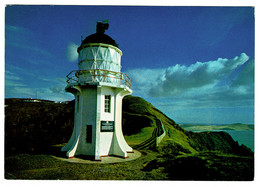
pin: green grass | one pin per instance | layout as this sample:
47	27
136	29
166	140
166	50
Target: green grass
205	166
136	139
26	166
150	166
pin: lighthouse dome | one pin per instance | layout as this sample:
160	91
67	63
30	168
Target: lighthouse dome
99	37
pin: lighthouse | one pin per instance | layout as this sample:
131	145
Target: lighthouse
99	87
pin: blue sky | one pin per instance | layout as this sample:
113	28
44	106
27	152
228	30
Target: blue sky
196	64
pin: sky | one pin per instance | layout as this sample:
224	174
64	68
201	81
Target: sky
195	64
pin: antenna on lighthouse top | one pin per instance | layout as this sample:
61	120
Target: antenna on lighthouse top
102	26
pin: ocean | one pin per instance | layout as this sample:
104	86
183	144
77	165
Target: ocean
245	137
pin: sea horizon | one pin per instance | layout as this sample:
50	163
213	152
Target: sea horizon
245	137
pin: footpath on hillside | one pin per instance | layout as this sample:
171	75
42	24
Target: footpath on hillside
155	139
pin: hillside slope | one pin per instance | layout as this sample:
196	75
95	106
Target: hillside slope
137	113
35	127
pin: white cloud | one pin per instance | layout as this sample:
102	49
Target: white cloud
11	76
144	78
11	83
246	75
57	89
71	53
14	91
181	79
13	80
12	28
14	85
54	94
51	88
31	48
23	38
218	83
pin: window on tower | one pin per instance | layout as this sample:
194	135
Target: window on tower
107	103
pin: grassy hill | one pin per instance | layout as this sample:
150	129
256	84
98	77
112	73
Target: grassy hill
33	127
35	131
143	115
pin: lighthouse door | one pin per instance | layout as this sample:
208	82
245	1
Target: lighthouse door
89	134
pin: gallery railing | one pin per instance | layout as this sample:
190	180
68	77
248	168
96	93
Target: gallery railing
98	75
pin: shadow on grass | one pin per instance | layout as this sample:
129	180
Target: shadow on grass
207	167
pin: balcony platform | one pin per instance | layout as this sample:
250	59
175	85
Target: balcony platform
98	77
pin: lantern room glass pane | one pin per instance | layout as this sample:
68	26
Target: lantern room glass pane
89	53
108	55
94	52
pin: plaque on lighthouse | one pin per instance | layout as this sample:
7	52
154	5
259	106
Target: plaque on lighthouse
99	87
107	126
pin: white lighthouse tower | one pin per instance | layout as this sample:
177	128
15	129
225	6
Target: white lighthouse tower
98	87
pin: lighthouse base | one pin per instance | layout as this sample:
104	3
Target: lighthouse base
83	159
97	122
